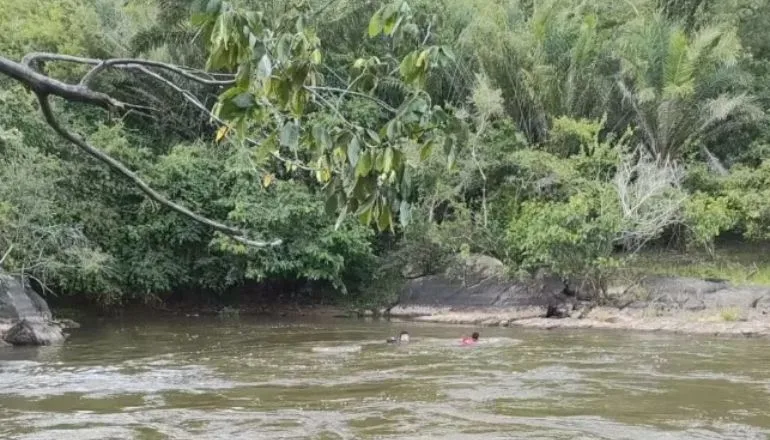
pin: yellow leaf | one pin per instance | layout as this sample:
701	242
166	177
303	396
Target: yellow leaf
267	180
422	59
316	56
222	132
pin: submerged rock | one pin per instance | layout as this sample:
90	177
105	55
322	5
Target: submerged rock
66	323
34	332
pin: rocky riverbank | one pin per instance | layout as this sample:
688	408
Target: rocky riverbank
484	296
715	321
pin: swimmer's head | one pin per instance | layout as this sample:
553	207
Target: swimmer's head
475	336
403	337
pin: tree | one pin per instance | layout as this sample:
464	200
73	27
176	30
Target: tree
362	110
682	88
277	87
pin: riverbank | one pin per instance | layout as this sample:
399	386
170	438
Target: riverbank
485	296
664	304
710	321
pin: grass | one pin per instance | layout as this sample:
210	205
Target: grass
730	315
736	263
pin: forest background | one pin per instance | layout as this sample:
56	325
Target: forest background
384	141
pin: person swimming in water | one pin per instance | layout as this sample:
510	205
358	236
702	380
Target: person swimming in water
472	340
403	338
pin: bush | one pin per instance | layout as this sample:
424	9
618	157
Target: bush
568	238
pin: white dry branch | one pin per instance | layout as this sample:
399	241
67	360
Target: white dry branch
650	195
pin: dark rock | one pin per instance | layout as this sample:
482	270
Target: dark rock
582	289
483	285
689	286
695	294
25	318
558	311
68	323
438	290
34	332
475	269
18	301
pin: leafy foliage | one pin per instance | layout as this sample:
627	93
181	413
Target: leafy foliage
381	140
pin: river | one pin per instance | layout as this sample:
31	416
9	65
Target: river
197	378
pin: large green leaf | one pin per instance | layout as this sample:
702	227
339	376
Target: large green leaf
375	24
387	161
354	150
290	135
364	165
385	219
404	213
244	100
265	67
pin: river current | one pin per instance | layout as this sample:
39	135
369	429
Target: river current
201	378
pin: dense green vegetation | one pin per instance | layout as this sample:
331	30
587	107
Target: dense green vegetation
379	138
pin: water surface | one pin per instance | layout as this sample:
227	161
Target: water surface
197	378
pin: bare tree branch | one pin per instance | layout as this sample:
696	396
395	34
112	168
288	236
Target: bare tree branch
344	92
236	234
101	65
44	87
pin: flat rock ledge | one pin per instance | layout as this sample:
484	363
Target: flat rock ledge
711	322
487	297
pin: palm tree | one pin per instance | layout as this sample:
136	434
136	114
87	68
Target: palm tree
550	59
680	88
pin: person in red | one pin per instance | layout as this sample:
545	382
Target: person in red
472	340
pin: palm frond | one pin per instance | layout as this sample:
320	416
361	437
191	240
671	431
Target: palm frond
724	106
678	76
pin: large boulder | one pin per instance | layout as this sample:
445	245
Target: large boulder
697	294
478	268
25	318
18	301
479	283
34	332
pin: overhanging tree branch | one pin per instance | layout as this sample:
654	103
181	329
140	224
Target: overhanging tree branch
192	99
44	87
100	65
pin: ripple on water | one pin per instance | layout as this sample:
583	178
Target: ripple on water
39	380
337	349
338	382
390	420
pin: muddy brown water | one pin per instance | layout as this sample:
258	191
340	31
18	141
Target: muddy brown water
202	378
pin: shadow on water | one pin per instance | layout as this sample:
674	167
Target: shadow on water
244	379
